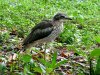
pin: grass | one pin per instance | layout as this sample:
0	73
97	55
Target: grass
22	14
80	34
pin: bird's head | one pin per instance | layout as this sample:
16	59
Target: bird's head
61	17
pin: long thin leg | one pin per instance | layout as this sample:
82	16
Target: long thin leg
45	51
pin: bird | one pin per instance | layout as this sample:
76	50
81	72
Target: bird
45	31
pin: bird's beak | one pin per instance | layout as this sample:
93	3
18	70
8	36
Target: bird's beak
68	18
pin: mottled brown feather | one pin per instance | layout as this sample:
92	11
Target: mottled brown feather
41	30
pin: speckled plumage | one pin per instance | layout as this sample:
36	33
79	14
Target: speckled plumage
46	31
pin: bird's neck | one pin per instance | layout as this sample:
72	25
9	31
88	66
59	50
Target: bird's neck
57	23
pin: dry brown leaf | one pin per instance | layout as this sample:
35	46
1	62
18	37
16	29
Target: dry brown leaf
65	54
38	55
19	46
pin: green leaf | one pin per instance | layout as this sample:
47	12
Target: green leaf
38	69
42	68
26	69
49	70
2	67
45	63
97	38
95	52
97	71
54	60
60	63
26	58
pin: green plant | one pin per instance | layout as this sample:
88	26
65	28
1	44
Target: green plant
48	67
4	37
96	54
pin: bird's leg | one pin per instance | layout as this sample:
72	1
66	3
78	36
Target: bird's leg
45	51
52	49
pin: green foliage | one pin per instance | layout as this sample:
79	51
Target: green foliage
2	67
97	71
68	34
48	67
26	58
95	52
25	14
97	38
4	37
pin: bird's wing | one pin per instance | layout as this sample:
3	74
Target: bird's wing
40	31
